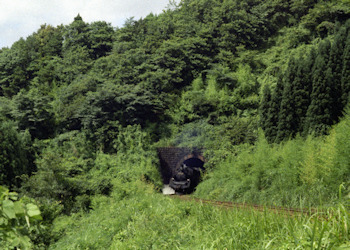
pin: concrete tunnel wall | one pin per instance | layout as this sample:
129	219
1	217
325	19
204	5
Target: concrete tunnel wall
171	158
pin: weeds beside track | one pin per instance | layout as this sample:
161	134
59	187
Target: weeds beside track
261	208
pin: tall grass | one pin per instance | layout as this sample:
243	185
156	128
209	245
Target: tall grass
151	221
298	172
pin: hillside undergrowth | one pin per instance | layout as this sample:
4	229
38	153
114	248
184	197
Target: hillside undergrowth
298	172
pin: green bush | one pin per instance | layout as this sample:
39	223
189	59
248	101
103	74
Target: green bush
15	154
18	221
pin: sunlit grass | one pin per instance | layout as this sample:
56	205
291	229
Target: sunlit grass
152	221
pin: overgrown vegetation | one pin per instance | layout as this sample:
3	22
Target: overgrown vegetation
18	220
261	86
152	221
300	172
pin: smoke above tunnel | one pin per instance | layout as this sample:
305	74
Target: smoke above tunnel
194	135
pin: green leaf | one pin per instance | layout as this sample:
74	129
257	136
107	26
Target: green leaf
3	221
19	209
9	209
25	242
33	211
13	196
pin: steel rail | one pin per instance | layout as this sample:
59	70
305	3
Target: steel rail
261	208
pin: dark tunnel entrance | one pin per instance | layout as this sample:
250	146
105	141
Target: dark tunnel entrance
194	163
181	169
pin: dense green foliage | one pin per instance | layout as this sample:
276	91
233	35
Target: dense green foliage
261	86
15	157
18	220
296	173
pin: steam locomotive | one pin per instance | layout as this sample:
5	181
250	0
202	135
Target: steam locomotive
187	176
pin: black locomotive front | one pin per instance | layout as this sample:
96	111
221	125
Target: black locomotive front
187	176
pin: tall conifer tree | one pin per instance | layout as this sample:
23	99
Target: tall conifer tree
334	73
286	119
273	111
319	116
345	76
303	89
264	107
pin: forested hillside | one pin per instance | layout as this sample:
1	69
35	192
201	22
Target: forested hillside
262	86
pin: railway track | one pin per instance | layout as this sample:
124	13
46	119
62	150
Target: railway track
261	208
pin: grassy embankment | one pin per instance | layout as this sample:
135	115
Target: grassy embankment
301	172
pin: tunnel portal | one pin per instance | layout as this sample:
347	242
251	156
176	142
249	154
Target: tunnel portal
172	158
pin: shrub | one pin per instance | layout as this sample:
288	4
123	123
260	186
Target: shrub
18	221
15	154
